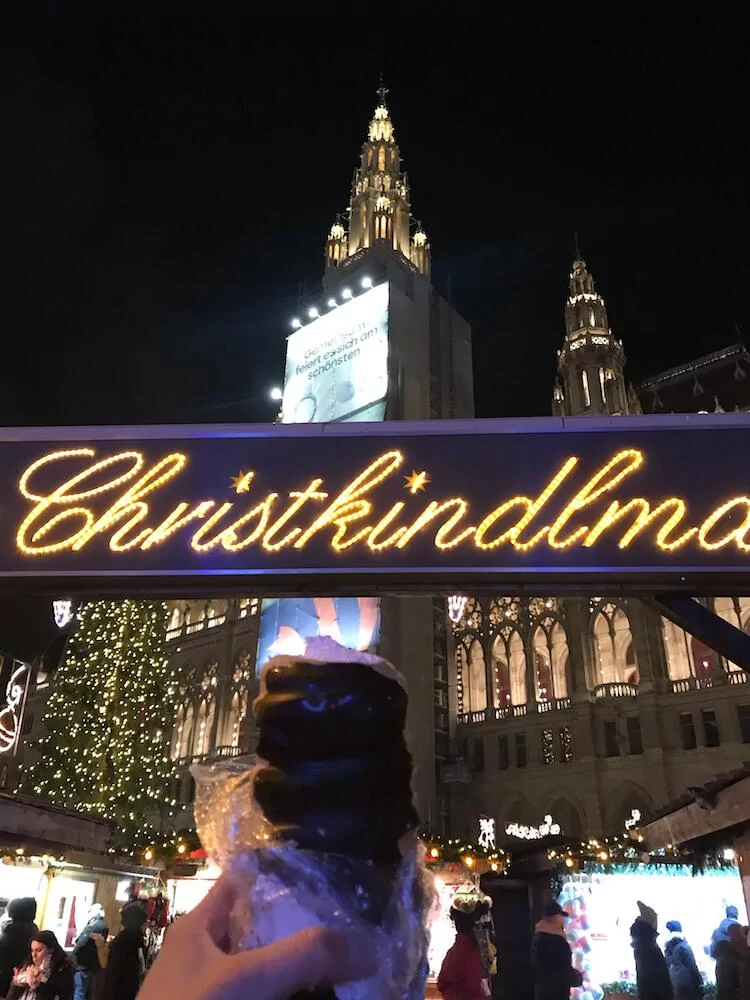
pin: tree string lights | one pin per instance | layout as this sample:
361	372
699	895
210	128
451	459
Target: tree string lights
108	723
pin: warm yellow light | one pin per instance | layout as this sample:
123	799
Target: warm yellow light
181	848
148	854
434	853
494	866
603	856
350	515
569	862
468	861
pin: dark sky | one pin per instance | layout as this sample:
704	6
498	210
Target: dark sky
169	172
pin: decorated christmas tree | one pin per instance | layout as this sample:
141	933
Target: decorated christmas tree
109	720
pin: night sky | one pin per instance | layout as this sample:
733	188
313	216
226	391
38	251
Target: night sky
169	173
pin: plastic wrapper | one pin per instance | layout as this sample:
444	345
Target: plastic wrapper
283	888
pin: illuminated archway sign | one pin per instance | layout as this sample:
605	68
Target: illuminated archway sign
439	503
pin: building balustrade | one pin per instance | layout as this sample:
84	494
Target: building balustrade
512	711
218	753
616	689
690	684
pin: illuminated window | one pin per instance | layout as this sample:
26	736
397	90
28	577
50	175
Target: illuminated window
381	158
542	667
613	647
585	384
509	670
687	656
477	678
592	318
601	383
186	733
736	611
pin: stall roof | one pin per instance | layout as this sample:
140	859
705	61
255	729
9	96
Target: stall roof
720	803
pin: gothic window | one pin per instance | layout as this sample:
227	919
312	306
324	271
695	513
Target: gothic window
736	611
585	384
687	656
477	678
179	727
592	318
550	662
509	670
186	733
558	643
613	646
236	719
381	158
369	157
542	667
601	385
175	620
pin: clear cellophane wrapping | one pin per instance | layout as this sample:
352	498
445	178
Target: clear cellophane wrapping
281	889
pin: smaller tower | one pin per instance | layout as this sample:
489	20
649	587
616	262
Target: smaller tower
591	364
336	248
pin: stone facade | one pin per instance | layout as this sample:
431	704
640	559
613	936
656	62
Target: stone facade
587	710
212	645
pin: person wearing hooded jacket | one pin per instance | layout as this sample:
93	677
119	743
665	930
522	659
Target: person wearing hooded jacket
651	972
687	982
15	939
86	953
554	974
126	966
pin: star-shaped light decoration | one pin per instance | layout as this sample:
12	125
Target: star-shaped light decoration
241	483
416	481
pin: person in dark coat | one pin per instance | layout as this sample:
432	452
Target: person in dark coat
554	974
126	965
46	975
731	954
15	938
687	982
86	953
651	970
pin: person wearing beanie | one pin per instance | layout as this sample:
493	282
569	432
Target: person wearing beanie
462	973
46	974
126	966
722	931
552	960
651	972
687	982
15	938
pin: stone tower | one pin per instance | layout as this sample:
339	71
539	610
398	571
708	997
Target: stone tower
591	364
379	212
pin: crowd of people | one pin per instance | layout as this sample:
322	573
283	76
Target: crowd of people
34	966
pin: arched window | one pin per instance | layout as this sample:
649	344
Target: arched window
179	725
613	646
687	656
736	611
186	736
205	722
542	667
477	678
381	158
175	620
558	643
509	670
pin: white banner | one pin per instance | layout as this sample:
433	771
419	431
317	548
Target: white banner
337	366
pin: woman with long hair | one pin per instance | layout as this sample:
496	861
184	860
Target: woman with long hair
46	975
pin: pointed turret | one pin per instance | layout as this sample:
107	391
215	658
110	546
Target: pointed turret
379	208
591	364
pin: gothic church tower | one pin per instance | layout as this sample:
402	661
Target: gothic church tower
379	213
591	364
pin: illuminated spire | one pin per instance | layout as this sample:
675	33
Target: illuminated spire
379	208
591	364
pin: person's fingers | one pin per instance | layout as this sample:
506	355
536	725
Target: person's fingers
314	957
212	915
